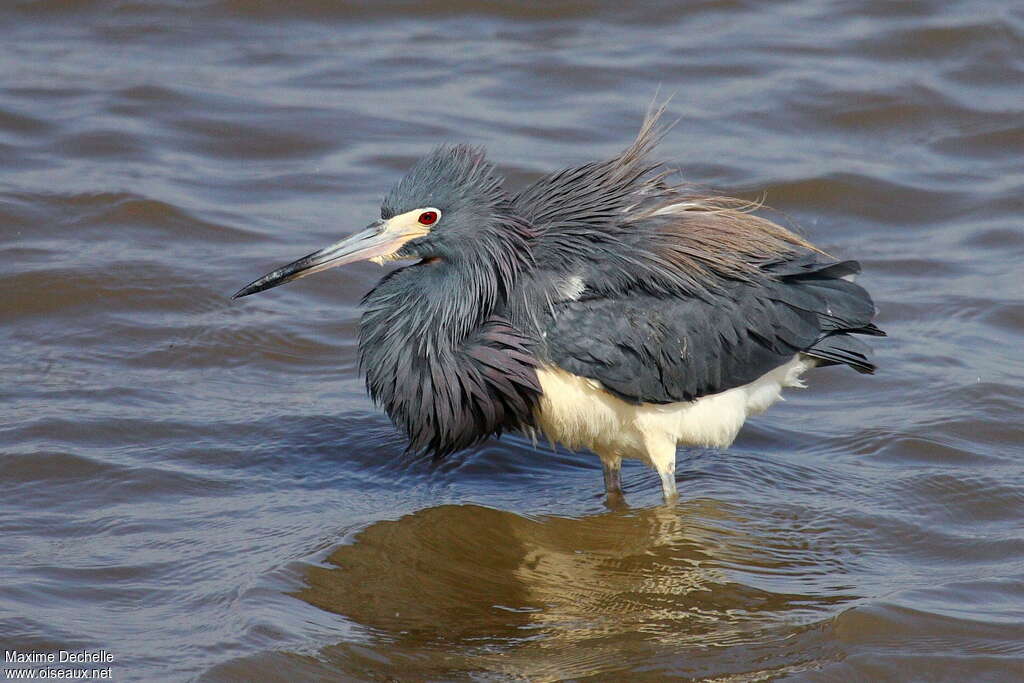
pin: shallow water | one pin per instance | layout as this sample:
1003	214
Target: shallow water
201	487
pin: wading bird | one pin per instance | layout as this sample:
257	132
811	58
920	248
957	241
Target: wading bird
602	306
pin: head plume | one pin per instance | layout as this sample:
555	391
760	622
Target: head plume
452	178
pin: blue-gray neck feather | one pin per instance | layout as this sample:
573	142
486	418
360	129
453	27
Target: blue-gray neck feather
446	368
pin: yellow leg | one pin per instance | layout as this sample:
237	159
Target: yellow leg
668	485
661	454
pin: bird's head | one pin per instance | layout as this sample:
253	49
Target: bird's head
449	208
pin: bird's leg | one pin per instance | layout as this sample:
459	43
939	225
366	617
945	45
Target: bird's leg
611	463
668	485
662	455
612	480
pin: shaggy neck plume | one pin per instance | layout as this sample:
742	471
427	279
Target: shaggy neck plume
445	368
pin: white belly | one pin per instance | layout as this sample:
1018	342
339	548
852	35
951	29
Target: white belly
578	412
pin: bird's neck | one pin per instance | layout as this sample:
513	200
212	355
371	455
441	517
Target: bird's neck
440	301
446	368
427	307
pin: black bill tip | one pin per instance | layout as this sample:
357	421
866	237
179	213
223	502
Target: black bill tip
278	277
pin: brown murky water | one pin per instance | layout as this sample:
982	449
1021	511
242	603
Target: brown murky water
201	487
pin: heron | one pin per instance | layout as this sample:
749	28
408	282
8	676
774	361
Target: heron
604	306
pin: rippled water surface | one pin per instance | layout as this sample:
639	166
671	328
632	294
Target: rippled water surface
201	487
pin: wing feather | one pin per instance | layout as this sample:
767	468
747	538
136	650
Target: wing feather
650	349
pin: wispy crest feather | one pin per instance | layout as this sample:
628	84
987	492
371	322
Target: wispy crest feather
647	231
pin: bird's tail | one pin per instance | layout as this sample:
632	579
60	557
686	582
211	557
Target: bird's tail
843	307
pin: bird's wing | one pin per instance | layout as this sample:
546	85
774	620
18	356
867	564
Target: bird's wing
650	349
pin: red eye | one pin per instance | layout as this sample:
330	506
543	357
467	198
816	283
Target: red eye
428	217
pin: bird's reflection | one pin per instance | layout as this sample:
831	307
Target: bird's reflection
476	588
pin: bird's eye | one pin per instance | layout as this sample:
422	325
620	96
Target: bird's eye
428	218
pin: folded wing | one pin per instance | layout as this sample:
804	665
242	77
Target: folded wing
655	349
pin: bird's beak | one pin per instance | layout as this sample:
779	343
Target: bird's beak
378	241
